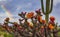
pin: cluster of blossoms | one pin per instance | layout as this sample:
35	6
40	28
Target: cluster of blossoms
35	28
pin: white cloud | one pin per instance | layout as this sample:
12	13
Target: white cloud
56	2
18	7
3	0
29	4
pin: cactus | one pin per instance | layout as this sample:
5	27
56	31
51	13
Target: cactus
38	27
49	7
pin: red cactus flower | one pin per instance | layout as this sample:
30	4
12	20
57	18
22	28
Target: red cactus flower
52	18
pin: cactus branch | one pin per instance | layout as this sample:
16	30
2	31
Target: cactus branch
47	6
47	11
51	6
42	6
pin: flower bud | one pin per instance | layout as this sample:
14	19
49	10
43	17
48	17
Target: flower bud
52	18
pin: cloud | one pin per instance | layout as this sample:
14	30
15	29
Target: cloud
3	0
56	2
23	7
29	5
18	8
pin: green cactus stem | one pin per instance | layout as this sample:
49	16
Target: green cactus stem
49	7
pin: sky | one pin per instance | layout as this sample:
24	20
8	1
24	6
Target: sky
13	7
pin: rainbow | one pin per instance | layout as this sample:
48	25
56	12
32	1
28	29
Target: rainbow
7	12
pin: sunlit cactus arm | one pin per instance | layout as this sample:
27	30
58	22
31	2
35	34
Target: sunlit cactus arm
42	6
47	11
51	6
47	6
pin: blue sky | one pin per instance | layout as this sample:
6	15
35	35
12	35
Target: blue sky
17	6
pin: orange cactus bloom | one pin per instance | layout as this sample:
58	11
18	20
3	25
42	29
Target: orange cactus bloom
52	18
51	26
30	15
44	21
39	18
42	26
